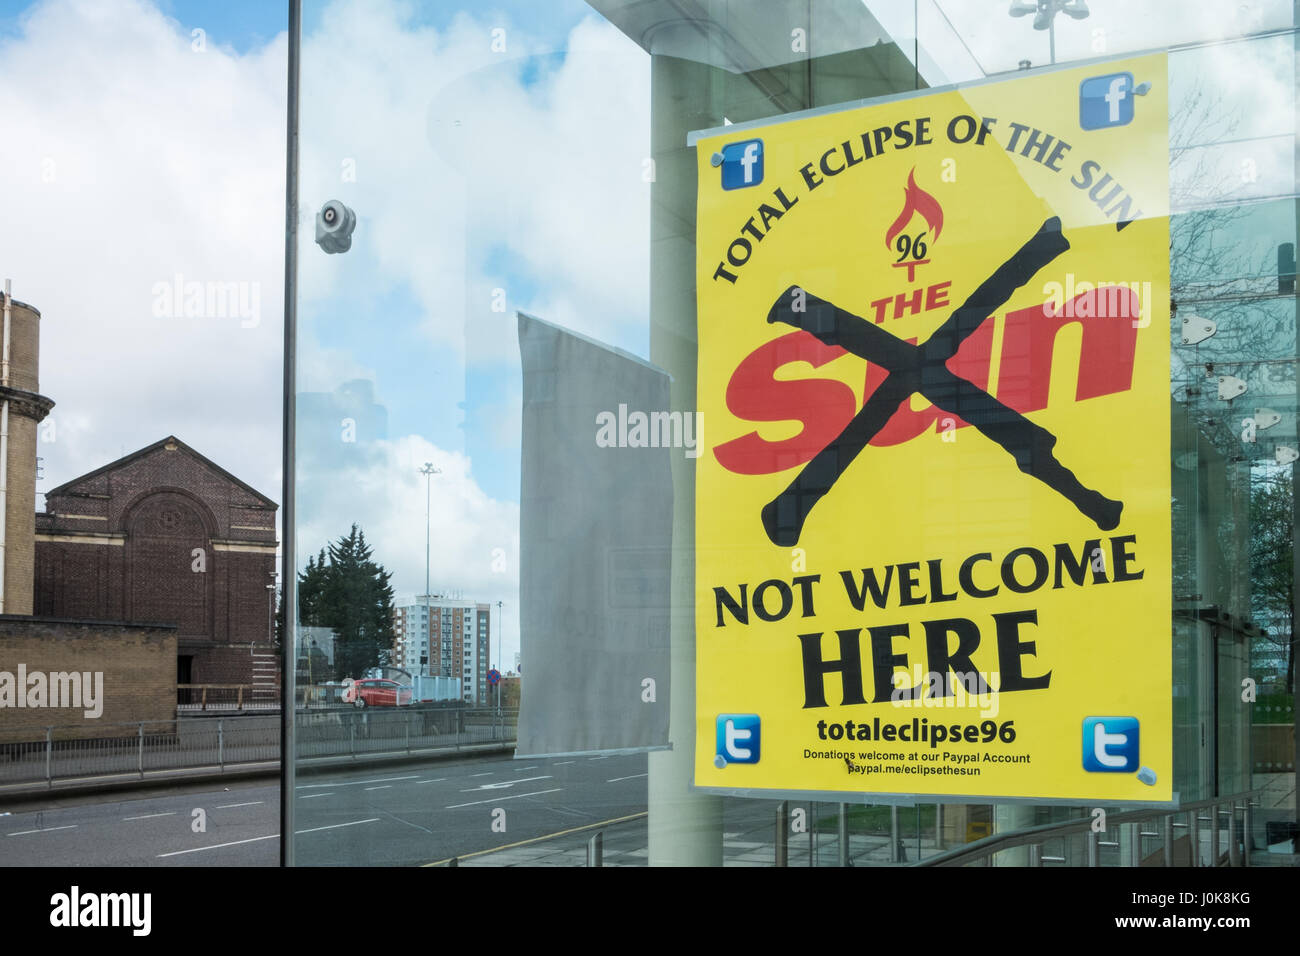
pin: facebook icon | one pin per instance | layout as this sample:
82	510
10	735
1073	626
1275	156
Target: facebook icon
1106	101
1110	744
742	164
738	739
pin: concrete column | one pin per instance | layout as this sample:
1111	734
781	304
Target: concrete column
691	87
1007	818
955	818
685	828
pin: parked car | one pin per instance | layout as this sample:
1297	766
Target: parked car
378	692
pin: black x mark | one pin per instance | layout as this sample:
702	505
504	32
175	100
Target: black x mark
921	369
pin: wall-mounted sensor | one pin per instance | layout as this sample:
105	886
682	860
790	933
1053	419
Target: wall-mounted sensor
334	225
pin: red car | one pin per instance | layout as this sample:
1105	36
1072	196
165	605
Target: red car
377	692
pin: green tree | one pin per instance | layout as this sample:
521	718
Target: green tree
311	590
345	590
1272	564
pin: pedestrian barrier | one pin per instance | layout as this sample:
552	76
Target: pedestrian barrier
1215	832
224	742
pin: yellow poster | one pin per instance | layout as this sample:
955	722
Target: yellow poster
933	519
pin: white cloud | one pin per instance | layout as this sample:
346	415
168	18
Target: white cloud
133	159
474	539
130	159
138	160
464	156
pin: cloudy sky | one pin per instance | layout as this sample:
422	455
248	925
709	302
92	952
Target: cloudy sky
495	156
152	157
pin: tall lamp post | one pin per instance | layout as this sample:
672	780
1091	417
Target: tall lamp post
270	612
1045	12
428	471
501	625
311	646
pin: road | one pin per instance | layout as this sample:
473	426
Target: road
401	814
429	811
145	830
410	813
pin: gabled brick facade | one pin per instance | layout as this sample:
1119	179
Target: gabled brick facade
165	536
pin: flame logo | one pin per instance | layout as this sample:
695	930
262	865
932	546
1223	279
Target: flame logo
916	199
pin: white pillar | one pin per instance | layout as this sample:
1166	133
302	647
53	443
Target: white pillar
685	828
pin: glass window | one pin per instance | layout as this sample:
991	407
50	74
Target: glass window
468	174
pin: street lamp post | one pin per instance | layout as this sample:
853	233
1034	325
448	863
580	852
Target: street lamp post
270	612
428	471
1045	12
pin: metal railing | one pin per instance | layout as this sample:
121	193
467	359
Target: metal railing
222	742
1188	836
240	697
139	748
346	732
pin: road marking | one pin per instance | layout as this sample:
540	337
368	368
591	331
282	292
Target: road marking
150	816
354	783
230	806
499	799
487	774
606	757
522	769
548	836
396	819
387	786
70	826
434	780
560	764
335	826
312	796
633	777
218	846
271	836
503	785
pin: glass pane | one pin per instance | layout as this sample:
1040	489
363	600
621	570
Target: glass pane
460	166
997	40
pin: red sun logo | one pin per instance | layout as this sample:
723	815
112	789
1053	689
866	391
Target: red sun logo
912	249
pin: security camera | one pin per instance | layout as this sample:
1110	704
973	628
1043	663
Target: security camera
334	225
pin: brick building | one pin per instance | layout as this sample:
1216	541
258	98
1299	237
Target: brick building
166	536
135	662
